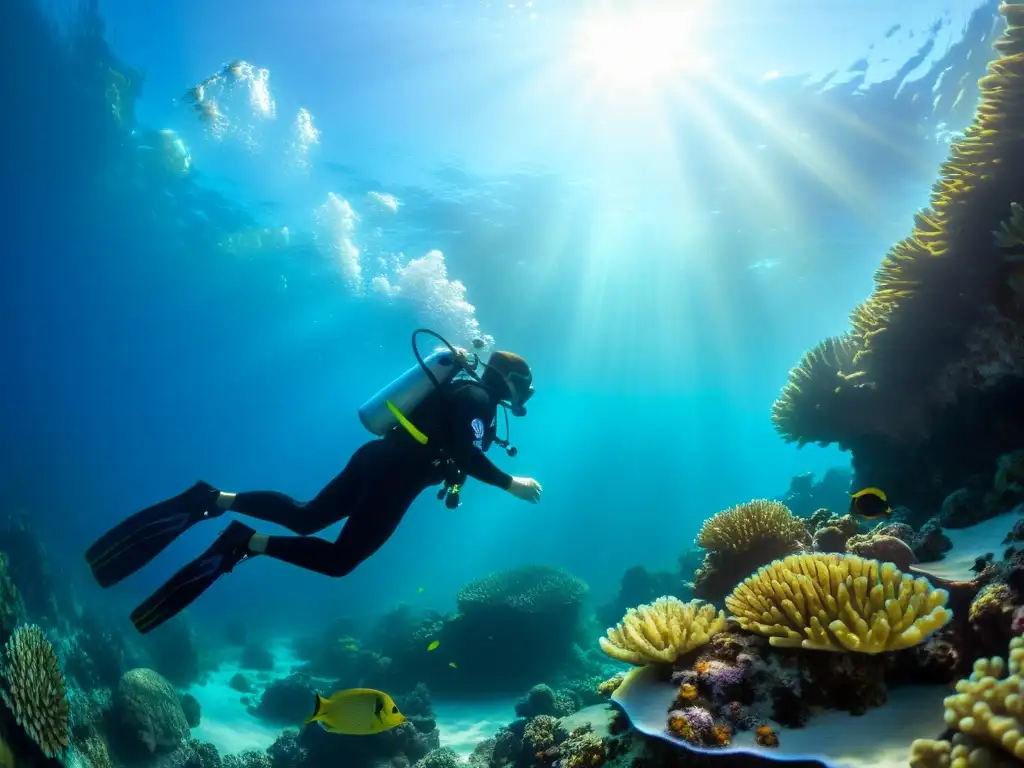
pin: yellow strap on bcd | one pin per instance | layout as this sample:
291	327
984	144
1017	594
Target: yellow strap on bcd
409	427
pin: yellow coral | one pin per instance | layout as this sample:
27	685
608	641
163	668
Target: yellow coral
33	689
743	526
609	686
987	710
838	603
928	286
662	631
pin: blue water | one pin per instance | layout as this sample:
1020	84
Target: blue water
661	253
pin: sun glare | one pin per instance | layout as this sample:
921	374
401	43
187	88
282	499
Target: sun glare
640	49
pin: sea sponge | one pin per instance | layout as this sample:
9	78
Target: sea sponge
33	689
662	631
838	603
987	710
742	527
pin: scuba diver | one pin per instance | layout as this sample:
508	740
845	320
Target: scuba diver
433	423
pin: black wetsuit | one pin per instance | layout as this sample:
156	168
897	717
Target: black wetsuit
381	481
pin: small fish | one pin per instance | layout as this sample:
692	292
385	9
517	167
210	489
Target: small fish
870	503
452	665
356	712
420	591
433	645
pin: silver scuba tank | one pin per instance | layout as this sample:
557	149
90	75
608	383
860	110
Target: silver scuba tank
407	391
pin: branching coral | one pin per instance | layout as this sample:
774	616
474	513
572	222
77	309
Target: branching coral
34	691
742	527
662	631
838	603
987	710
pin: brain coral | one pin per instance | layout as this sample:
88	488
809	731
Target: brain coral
662	631
529	589
740	540
742	527
34	691
838	603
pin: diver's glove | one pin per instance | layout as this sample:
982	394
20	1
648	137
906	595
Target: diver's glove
525	488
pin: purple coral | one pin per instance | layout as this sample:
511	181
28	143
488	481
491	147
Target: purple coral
724	680
700	720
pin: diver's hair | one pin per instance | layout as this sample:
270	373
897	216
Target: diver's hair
499	365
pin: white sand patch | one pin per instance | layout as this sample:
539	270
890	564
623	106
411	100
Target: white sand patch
225	722
463	725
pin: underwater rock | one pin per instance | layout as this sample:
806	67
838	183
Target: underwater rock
829	538
403	743
148	715
240	683
886	549
190	706
287	700
257	657
173	653
542	700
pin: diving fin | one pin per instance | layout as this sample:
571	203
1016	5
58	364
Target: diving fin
132	543
229	549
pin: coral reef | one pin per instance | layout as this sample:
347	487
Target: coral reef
741	539
287	700
148	715
445	757
987	711
662	631
920	425
833	602
33	689
542	700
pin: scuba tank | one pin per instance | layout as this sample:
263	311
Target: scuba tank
409	390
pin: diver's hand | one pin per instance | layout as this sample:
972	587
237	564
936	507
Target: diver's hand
525	488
